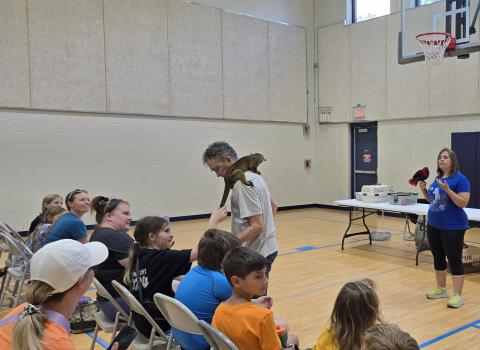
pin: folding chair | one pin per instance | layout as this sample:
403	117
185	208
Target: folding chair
101	319
140	342
216	339
177	315
18	264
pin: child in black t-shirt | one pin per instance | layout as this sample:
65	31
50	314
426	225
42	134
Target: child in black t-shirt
153	265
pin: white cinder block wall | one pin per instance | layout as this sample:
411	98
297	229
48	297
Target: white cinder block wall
153	162
417	107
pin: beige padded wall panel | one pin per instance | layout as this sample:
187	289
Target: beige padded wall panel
195	60
396	148
245	67
407	94
368	67
136	53
287	73
453	87
418	142
14	69
67	54
334	71
333	159
328	12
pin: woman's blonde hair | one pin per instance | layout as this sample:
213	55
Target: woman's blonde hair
29	330
49	198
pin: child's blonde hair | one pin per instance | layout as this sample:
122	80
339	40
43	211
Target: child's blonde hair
356	308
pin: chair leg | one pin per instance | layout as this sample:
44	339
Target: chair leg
13	302
19	291
152	337
115	326
94	338
5	289
169	343
4	280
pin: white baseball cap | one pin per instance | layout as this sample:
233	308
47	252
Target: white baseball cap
62	263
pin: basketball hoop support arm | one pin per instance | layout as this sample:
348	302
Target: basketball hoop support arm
474	20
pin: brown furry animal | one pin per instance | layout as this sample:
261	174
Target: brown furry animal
237	172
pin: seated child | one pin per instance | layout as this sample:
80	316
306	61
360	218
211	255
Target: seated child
204	287
37	239
248	325
153	265
388	337
356	308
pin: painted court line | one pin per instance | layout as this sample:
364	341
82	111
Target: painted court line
99	340
450	333
328	245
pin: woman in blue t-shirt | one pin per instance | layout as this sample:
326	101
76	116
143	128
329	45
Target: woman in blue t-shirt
447	222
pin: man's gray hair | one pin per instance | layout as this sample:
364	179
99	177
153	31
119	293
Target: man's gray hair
220	150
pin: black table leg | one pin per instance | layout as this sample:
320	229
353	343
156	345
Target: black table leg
351	219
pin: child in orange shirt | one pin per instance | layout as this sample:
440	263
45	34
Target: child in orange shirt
248	325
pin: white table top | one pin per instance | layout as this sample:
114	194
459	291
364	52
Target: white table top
418	209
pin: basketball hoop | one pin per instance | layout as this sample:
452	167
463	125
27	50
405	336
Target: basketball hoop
434	45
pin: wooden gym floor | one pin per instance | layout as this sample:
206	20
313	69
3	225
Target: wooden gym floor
311	269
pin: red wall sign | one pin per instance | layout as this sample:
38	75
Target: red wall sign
367	157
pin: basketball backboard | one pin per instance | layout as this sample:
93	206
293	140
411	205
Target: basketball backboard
457	17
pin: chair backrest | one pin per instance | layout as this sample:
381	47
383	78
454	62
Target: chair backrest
137	307
14	233
177	314
14	248
216	339
105	294
19	242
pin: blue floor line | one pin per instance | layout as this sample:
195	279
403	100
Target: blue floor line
450	333
476	326
99	340
301	250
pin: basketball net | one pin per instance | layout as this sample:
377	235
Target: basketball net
434	46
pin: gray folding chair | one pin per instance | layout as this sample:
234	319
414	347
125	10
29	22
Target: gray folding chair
216	339
158	338
177	315
103	323
18	263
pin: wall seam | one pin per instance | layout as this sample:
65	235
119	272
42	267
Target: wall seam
223	62
168	63
29	57
105	56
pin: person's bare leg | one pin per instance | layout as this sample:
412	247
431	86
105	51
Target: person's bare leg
441	277
457	281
